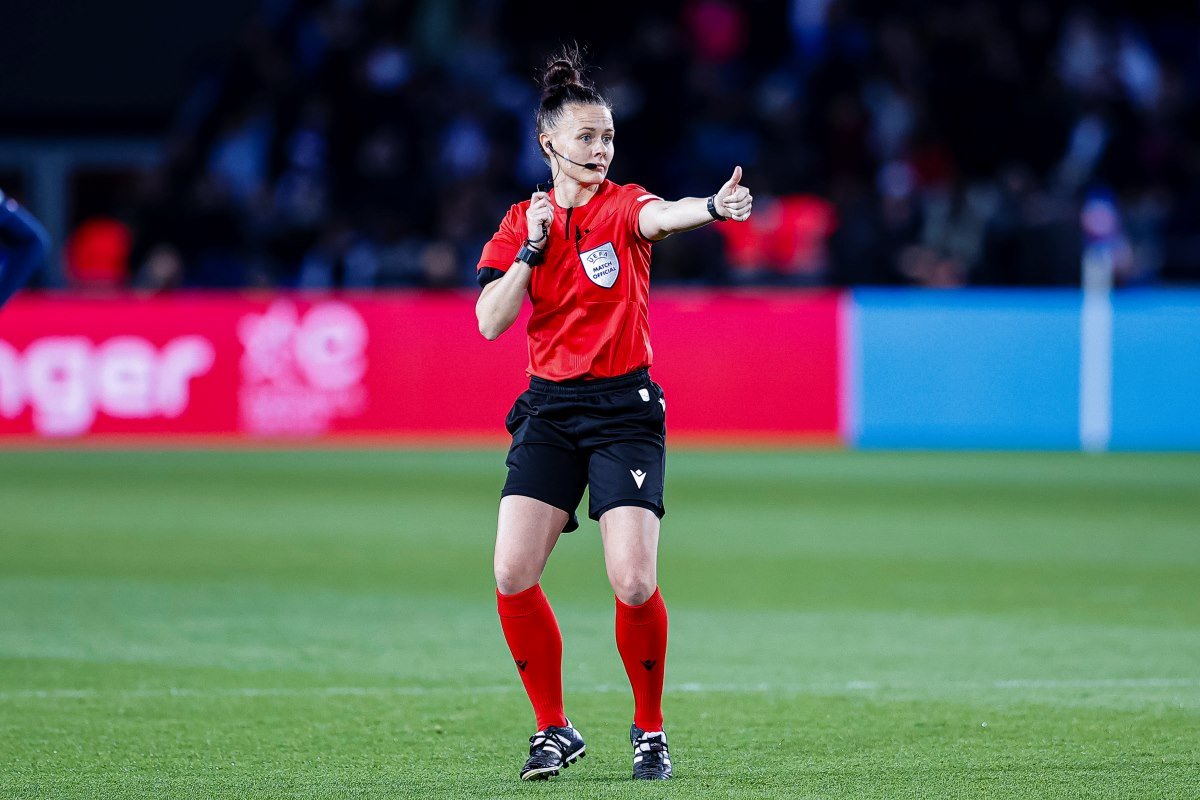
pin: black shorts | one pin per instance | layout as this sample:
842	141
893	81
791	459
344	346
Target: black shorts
608	435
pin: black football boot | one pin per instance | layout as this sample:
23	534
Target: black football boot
651	761
552	750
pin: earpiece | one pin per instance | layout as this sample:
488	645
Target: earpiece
588	165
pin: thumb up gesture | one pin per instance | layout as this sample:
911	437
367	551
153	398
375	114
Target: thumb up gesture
734	200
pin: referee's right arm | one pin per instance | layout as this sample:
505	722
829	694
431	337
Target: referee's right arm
500	301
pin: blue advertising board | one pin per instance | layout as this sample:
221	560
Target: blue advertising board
999	369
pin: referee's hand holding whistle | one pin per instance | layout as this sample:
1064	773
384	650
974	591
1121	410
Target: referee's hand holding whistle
733	200
500	301
538	217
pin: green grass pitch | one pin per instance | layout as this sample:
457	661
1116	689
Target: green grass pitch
844	625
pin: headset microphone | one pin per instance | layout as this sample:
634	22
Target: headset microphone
588	165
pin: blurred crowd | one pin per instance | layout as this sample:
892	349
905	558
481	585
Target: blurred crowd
378	143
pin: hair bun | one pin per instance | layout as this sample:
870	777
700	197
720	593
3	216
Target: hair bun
562	84
565	68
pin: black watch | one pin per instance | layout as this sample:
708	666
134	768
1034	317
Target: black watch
712	209
529	255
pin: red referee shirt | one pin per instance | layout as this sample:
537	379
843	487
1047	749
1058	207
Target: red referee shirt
589	294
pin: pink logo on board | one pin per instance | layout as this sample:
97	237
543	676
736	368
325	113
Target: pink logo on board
300	372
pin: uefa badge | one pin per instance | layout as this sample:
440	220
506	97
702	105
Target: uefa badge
601	265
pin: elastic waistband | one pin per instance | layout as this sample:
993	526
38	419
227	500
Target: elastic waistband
582	388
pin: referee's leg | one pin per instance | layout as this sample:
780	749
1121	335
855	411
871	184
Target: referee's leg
630	536
526	533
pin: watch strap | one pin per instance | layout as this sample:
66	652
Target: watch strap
529	255
712	209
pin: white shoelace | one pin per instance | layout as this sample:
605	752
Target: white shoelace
651	742
553	741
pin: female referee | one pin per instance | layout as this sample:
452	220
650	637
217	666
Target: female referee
592	416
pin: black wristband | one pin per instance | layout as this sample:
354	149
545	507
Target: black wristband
712	209
529	255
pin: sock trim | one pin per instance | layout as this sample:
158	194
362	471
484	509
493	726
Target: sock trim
521	604
640	614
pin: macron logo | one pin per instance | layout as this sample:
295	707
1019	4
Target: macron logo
638	476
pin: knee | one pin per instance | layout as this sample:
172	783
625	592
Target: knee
633	587
513	578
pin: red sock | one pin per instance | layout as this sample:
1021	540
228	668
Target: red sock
642	643
536	644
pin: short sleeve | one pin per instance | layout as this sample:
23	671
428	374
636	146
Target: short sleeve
500	251
635	199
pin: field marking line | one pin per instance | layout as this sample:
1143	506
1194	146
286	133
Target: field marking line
253	691
687	688
1098	683
1013	683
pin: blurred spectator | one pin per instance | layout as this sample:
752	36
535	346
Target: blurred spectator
783	243
373	143
23	246
97	254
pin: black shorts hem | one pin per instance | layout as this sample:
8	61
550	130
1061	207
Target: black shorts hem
572	518
658	509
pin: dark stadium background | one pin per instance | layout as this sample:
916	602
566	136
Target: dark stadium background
934	144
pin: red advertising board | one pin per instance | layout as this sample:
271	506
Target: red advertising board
412	366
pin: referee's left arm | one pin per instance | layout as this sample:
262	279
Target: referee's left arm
23	245
658	220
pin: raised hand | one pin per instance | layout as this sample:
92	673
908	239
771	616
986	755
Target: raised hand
538	217
734	200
